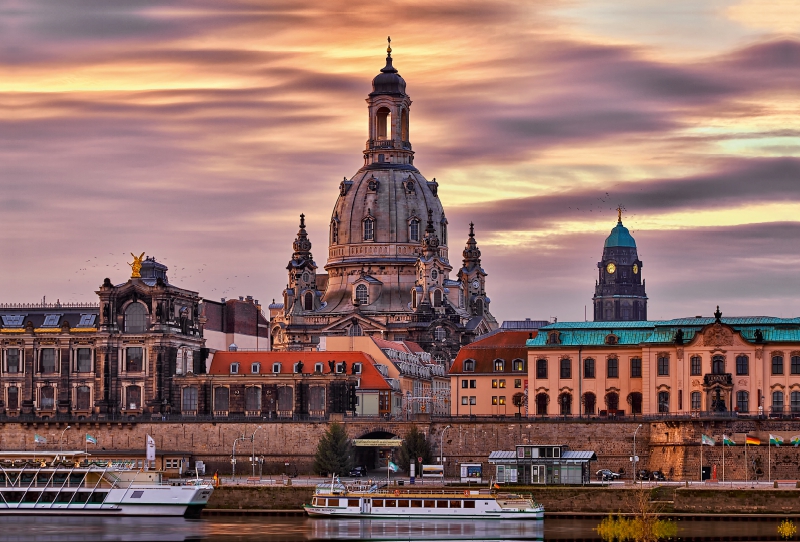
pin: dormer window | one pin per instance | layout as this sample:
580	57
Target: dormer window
234	368
413	230
499	365
369	229
255	368
87	320
318	368
276	368
356	368
553	338
334	233
51	320
340	368
469	366
362	294
518	365
612	339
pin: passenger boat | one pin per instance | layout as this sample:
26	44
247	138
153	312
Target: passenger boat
70	483
337	500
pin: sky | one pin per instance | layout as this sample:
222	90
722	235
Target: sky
198	131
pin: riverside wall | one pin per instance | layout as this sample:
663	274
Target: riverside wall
671	446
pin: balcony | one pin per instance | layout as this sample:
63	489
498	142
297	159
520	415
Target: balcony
724	379
389	144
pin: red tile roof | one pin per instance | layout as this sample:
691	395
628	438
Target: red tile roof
505	345
371	379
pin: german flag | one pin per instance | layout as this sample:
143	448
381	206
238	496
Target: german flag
752	441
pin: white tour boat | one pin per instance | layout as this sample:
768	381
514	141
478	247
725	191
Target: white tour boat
337	500
69	483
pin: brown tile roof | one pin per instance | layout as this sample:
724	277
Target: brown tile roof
371	379
505	345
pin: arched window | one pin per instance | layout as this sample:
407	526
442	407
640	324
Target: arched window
133	397
589	403
742	401
83	398
612	401
355	330
697	400
404	124
777	402
362	294
437	298
444	232
794	402
718	365
541	404
479	306
552	338
369	229
309	301
414	299
334	233
635	400
222	398
565	404
383	127
663	401
413	230
189	402
252	399
135	318
742	365
440	333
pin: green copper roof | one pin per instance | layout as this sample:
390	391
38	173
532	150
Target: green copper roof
620	237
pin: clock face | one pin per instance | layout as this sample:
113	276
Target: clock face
611	268
475	284
635	269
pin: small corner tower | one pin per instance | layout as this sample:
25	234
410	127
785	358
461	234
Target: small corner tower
620	291
473	277
301	293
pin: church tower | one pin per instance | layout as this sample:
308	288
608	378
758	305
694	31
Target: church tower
301	293
473	277
619	291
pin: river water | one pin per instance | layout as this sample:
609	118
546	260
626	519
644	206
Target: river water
280	529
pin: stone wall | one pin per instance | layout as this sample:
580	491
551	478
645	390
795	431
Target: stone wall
672	446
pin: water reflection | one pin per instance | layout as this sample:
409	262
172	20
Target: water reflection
106	529
424	530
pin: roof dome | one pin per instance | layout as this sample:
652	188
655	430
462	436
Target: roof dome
388	81
620	237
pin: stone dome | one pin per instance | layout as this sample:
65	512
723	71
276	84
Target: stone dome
389	80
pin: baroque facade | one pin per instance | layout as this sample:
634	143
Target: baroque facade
688	366
388	272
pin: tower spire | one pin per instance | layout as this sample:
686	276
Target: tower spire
301	245
430	242
619	214
472	254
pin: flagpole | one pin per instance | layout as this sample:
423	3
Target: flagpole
701	459
746	474
723	459
769	459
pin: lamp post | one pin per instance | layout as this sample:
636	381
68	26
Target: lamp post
441	449
253	457
233	457
62	436
634	453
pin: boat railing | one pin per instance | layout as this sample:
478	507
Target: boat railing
447	492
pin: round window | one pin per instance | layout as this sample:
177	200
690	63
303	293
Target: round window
434	274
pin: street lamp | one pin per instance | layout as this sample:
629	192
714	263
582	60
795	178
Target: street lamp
233	456
634	453
253	458
441	449
62	436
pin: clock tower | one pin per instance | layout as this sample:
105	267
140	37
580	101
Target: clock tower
473	277
619	293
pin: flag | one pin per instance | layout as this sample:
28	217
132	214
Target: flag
151	448
775	440
90	439
39	439
727	441
753	441
795	440
393	467
708	441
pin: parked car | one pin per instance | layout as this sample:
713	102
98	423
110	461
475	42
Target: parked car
606	474
643	474
658	476
358	472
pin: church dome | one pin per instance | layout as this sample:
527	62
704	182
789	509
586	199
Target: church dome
620	237
389	80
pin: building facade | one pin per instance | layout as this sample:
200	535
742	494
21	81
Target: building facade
388	272
619	294
735	366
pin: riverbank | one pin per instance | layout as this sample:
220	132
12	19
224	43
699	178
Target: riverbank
668	500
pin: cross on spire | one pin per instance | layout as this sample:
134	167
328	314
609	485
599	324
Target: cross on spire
389	46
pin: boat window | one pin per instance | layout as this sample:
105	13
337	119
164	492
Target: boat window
441	504
137	494
416	504
377	502
352	502
430	504
455	504
402	504
469	504
391	503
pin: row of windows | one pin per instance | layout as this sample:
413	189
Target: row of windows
368	230
496	383
46	398
589	400
255	368
499	365
663	366
396	503
48	360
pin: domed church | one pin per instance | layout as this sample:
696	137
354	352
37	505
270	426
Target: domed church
619	291
388	272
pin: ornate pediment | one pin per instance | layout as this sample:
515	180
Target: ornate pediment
718	335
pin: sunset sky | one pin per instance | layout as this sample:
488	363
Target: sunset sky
198	131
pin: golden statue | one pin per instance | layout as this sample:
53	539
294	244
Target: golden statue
136	266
